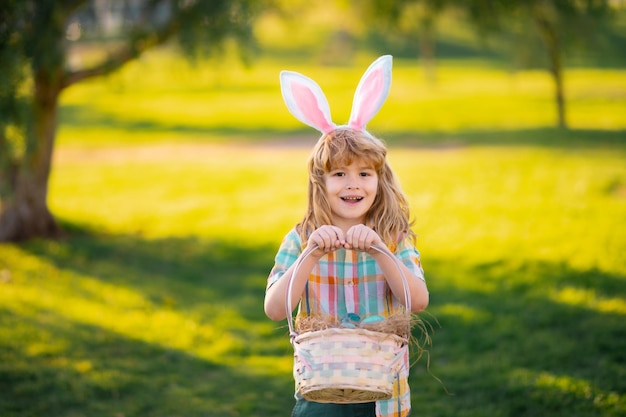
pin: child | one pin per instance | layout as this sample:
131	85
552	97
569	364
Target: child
354	202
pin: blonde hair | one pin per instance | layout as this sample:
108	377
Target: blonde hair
389	215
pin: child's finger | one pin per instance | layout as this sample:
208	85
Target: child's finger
328	238
339	235
362	238
357	237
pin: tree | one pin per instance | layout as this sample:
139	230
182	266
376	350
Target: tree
35	43
559	25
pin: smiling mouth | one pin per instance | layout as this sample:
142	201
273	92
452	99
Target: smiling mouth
352	199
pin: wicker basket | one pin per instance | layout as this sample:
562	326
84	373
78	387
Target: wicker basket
346	365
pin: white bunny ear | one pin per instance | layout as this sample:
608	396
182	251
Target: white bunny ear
371	92
306	101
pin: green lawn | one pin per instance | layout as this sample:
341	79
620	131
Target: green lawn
176	196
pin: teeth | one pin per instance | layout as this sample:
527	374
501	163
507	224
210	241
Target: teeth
352	198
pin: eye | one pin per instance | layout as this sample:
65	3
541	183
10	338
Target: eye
339	174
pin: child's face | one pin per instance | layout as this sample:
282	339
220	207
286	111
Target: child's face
351	190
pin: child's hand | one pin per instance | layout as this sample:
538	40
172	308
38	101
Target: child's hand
360	237
327	238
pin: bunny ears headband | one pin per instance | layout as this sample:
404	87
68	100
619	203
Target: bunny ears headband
306	101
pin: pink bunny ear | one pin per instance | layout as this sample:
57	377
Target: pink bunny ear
306	101
371	92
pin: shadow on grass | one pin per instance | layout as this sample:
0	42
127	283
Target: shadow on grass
55	366
545	137
536	339
182	272
516	339
85	370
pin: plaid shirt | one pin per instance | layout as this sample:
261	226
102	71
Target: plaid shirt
347	281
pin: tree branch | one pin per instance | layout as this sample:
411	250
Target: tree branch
115	61
132	50
71	6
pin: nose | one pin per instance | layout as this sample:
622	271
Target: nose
353	183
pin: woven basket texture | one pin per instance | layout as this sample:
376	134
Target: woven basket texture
339	365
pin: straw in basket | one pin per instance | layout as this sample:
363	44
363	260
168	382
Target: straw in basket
346	365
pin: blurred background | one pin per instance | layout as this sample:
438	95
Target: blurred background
149	170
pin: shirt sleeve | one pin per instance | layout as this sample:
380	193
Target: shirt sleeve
287	254
410	257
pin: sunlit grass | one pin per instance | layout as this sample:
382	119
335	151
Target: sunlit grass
517	200
587	298
217	191
535	198
565	390
207	331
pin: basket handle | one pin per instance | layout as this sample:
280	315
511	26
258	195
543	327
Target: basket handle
306	253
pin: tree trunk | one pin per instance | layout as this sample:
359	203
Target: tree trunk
427	49
549	34
557	74
25	214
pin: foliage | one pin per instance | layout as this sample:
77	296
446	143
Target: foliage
581	25
14	115
521	26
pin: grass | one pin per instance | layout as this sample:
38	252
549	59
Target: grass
152	306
